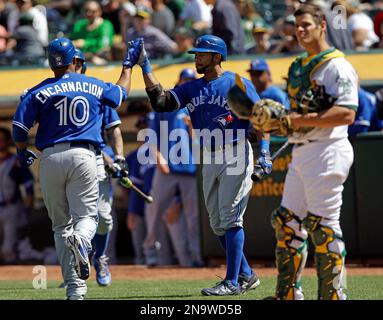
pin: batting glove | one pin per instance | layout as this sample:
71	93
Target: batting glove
143	60
120	163
26	157
132	53
264	161
113	170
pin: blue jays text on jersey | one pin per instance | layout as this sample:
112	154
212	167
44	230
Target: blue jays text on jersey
67	108
207	104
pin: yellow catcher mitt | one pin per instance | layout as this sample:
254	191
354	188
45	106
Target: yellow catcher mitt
271	117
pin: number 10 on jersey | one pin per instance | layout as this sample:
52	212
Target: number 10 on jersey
73	110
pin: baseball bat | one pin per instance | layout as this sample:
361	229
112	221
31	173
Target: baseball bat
127	183
258	171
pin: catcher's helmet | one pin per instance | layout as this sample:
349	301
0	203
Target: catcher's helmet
79	55
188	73
210	43
61	52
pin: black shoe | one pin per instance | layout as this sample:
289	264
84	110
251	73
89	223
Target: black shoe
248	282
223	288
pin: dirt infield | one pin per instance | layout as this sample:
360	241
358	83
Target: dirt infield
131	272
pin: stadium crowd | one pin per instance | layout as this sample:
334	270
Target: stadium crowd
101	29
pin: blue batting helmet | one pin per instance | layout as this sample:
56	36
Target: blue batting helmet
210	43
188	73
79	55
61	52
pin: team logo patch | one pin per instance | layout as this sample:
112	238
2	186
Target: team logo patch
224	119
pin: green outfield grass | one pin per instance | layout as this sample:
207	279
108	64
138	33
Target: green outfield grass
359	288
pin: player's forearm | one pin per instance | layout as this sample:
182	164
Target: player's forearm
150	80
335	116
117	142
125	78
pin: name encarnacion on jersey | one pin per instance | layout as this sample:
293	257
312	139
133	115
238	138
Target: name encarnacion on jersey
76	86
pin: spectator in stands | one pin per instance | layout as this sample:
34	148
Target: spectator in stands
3	39
261	34
6	7
176	6
162	17
261	78
24	43
196	15
39	19
93	35
249	16
185	39
366	118
378	24
15	183
291	7
289	42
111	12
360	25
127	14
157	43
227	25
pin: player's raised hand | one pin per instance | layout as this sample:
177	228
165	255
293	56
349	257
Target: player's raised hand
143	60
26	157
133	51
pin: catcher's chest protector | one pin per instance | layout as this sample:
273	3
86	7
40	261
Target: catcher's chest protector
299	77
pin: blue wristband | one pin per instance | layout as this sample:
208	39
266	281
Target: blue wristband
146	67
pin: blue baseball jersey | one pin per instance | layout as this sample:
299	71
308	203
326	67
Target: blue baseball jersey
110	120
366	118
141	176
207	104
276	94
180	144
67	108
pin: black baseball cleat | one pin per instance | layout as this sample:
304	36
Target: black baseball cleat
248	282
223	288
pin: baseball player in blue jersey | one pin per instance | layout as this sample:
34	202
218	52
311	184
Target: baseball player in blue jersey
111	126
142	176
13	179
226	193
261	78
366	118
68	108
170	177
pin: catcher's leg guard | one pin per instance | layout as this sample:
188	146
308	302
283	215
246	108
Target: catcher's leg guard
329	257
291	254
